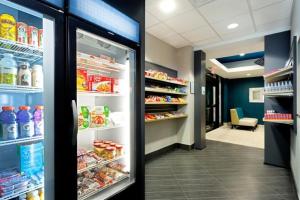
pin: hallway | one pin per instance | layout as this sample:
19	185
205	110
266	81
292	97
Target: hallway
220	172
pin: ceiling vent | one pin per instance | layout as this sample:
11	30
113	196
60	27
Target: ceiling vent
260	61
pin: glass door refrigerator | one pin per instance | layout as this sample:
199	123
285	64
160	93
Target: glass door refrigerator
30	51
103	47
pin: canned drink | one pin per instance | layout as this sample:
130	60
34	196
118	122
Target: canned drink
22	33
33	36
40	38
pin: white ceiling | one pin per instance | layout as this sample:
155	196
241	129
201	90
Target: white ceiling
203	23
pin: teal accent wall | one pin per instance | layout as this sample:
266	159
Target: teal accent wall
236	94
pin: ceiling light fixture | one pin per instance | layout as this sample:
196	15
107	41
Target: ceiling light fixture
248	74
232	26
167	6
242	54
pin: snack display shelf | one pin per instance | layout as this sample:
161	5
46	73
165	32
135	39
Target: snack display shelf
279	74
166	81
167	118
20	141
98	94
289	122
17	194
289	93
100	128
85	196
166	103
19	89
99	164
21	52
147	89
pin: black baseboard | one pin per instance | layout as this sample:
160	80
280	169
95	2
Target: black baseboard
166	149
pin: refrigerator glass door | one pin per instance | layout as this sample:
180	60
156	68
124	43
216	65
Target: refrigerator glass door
26	142
106	116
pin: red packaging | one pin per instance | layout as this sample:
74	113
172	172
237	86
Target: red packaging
22	33
33	36
40	38
101	84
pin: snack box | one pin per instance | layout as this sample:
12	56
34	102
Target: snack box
101	84
82	80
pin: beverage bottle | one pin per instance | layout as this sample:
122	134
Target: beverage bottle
34	195
25	122
8	70
8	124
290	85
38	119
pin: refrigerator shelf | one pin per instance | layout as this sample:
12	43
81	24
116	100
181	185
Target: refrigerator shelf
20	141
21	52
17	194
99	164
98	94
100	128
103	188
19	89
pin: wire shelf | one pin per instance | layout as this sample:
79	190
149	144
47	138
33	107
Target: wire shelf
21	52
19	89
20	141
17	194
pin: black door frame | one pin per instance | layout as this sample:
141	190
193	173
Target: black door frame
72	24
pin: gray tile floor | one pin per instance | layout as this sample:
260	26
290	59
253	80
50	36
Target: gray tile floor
220	172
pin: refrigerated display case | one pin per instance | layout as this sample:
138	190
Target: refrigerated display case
103	70
29	54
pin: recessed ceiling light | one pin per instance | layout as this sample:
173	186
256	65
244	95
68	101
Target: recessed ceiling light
242	54
167	6
248	74
232	26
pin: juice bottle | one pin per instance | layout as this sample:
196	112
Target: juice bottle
8	70
8	124
25	122
41	193
38	119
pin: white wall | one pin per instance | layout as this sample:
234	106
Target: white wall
185	60
295	139
165	133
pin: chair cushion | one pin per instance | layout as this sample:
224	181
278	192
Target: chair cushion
240	112
248	122
234	117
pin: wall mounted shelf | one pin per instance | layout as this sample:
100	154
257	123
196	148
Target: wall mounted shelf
162	91
279	74
166	81
280	94
166	118
289	122
165	103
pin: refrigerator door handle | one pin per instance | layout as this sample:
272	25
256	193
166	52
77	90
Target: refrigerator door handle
75	122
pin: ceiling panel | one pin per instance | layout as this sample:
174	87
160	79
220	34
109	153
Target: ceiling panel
199	34
150	20
185	22
257	4
219	10
272	13
176	40
160	31
280	25
207	41
244	21
153	7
